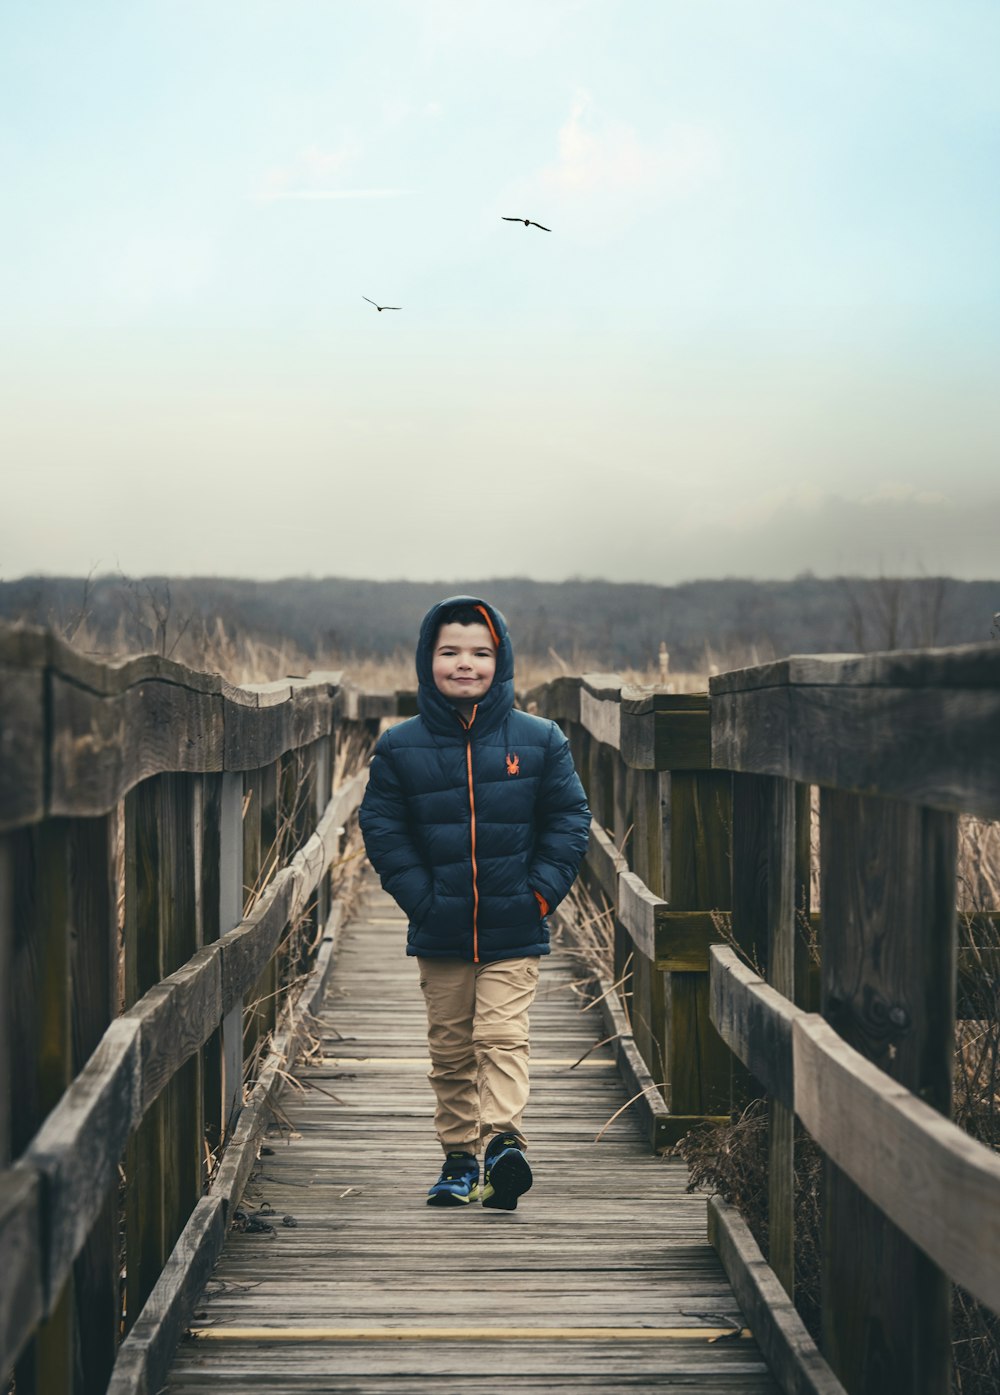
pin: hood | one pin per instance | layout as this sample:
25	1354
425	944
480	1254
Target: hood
436	710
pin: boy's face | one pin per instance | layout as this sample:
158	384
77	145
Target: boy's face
464	662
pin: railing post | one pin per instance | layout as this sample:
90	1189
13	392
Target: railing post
6	993
164	1156
697	878
769	884
95	953
322	759
41	1025
230	914
888	988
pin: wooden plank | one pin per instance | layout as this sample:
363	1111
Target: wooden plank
78	1148
230	912
145	1355
600	709
755	1021
962	666
750	731
939	747
95	1005
683	940
791	1353
604	862
782	854
644	1092
41	1025
936	1183
22	1301
194	995
210	905
637	911
103	746
888	985
7	1043
506	1333
697	877
145	1160
649	733
247	949
320	1274
22	747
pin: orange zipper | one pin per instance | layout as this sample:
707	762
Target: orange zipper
472	817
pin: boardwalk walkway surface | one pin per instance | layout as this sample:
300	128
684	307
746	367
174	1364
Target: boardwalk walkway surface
371	1291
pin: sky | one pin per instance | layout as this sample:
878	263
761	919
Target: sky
760	338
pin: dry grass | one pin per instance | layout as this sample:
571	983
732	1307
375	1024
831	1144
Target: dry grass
244	657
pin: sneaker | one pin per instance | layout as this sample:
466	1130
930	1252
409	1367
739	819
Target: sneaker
507	1174
458	1183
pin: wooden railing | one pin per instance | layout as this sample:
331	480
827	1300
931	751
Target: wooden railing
710	799
124	1030
125	1133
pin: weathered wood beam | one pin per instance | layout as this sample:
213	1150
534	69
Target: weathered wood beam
937	1184
922	727
791	1354
755	1021
665	731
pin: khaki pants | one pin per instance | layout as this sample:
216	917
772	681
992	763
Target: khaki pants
477	1034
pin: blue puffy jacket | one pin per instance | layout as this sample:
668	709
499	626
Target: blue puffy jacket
465	824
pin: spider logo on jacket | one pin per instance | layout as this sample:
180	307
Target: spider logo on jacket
513	764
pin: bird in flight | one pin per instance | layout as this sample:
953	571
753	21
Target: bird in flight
380	308
528	222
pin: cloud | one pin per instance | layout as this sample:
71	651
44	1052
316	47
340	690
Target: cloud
315	174
334	194
598	157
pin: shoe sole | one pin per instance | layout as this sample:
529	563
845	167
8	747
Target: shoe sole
450	1199
510	1177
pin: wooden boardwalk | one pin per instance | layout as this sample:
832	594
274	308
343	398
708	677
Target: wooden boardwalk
595	1282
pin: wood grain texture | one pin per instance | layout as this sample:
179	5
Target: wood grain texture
963	666
103	746
78	1148
248	948
755	1021
792	1355
176	1017
604	862
22	747
600	709
8	1048
683	940
22	1300
888	873
367	1262
664	731
637	911
937	746
144	1357
94	953
938	1185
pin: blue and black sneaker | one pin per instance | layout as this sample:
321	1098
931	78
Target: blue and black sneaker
506	1172
458	1183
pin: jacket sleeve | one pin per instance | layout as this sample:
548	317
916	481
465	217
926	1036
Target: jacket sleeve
563	825
388	837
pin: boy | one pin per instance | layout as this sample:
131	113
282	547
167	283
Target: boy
476	822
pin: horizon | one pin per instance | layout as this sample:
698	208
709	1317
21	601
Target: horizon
497	579
763	324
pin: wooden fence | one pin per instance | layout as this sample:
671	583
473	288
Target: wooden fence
709	797
125	1133
160	832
